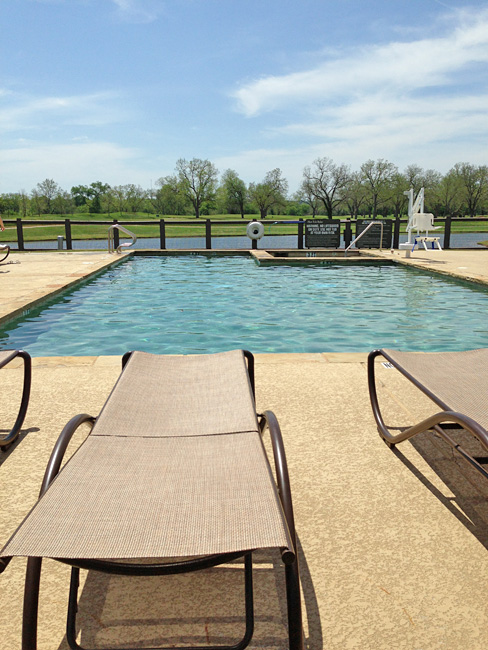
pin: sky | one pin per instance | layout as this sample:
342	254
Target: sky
118	90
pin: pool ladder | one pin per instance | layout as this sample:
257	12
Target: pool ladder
370	225
111	243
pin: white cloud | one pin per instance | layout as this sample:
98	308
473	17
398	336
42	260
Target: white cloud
433	134
397	66
139	11
252	165
69	164
33	113
411	102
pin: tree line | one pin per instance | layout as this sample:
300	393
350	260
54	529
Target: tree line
327	188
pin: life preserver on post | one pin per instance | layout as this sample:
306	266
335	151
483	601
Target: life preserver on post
255	230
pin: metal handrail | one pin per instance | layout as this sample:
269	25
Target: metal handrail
372	223
111	238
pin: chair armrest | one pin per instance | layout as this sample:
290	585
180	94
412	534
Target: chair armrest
7	440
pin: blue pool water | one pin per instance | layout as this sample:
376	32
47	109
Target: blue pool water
194	304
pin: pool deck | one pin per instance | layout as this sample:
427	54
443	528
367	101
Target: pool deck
393	544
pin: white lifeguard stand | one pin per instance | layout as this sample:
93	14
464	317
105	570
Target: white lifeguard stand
421	222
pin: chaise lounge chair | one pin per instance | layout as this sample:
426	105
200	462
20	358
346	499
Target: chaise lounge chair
175	468
5	251
6	356
456	381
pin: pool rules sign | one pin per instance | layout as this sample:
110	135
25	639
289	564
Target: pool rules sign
322	233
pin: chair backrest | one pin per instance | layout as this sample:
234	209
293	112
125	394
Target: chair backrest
423	221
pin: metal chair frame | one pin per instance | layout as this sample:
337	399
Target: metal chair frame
12	436
267	420
440	422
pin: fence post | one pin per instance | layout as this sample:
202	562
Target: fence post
20	235
300	234
67	231
396	233
162	234
116	236
347	233
447	233
208	233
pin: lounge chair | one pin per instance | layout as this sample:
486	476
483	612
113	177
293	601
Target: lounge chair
5	251
6	356
175	468
456	381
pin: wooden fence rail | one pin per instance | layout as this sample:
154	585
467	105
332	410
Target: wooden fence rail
208	224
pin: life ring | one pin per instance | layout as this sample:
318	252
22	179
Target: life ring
255	230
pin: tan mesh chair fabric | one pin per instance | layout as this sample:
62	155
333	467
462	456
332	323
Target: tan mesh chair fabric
459	380
161	491
156	497
180	396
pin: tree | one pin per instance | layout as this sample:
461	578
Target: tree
297	207
272	191
36	202
134	197
9	203
414	178
48	190
95	192
448	195
119	194
377	177
63	203
327	182
306	195
92	194
198	181
108	201
80	194
399	185
474	181
355	194
235	192
168	198
24	203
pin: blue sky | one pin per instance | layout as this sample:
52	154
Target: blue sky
118	90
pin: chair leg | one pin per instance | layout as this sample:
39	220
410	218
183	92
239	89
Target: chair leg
31	603
295	627
240	645
292	574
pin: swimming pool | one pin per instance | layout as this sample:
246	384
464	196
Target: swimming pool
194	304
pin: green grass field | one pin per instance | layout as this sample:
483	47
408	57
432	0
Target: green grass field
195	227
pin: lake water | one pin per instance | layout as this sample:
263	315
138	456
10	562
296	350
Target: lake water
464	240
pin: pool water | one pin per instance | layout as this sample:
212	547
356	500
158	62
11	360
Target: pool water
195	304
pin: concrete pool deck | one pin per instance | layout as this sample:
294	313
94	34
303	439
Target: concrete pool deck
393	544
